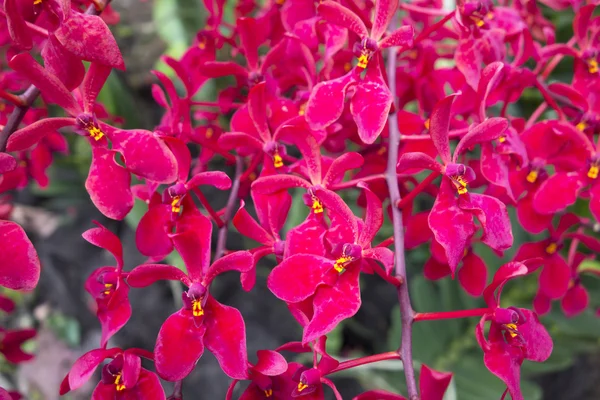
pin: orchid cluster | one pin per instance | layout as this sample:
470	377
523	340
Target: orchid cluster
409	105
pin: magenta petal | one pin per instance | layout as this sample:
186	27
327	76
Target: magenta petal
94	43
435	270
105	239
541	303
451	226
84	367
28	136
270	363
192	241
506	367
538	341
417	160
340	166
379	395
58	61
370	106
488	130
247	31
19	263
145	155
109	185
384	12
217	69
17	26
557	192
334	204
51	87
506	272
576	300
132	366
257	110
468	59
116	314
326	102
103	391
439	126
473	274
433	384
555	277
241	261
226	338
530	220
148	387
402	37
7	163
147	274
331	305
234	140
94	80
340	15
494	219
247	226
373	218
218	179
581	24
306	238
275	183
179	346
382	254
151	237
298	276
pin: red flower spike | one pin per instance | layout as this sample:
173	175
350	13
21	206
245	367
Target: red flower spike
19	260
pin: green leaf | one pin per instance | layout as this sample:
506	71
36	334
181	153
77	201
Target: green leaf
591	266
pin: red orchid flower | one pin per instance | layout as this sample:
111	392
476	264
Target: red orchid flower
20	265
515	334
4	395
74	37
563	188
303	276
263	375
107	285
556	274
108	183
154	233
371	100
319	178
433	385
122	378
11	342
202	321
451	218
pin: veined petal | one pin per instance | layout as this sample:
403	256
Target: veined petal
105	239
257	109
17	26
451	226
333	304
326	102
557	192
384	12
298	276
247	30
218	179
417	160
402	37
179	346
28	136
306	238
64	65
488	130
94	43
109	184
85	366
439	126
335	204
370	106
241	261
94	81
116	313
192	242
226	338
506	367
494	219
235	140
247	226
339	166
473	274
382	254
539	343
51	87
373	218
490	77
151	237
19	262
340	15
275	183
146	274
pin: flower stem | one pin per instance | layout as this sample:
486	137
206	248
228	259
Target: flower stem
405	350
433	316
432	28
418	189
231	203
353	182
211	211
390	355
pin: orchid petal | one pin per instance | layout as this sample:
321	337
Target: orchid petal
488	130
192	242
326	102
439	126
147	274
342	16
384	12
19	262
28	136
402	37
298	276
370	106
